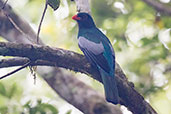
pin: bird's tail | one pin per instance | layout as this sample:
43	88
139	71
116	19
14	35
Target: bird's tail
110	87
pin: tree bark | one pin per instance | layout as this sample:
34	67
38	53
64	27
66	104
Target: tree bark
162	8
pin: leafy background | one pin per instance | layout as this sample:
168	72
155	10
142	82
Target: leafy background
140	36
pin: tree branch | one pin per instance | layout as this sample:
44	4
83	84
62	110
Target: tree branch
18	69
83	100
73	61
159	6
18	61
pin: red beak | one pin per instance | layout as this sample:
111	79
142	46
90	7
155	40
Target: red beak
75	17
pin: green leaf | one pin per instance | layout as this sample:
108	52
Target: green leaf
3	110
27	105
2	89
12	91
49	107
41	108
54	4
69	112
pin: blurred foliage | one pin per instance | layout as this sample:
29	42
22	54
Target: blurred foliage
11	105
42	108
140	36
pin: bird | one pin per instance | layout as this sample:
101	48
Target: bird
99	52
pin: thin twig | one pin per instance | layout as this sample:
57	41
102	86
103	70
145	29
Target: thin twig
33	69
4	4
27	64
43	15
15	25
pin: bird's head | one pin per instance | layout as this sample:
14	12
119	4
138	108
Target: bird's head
84	20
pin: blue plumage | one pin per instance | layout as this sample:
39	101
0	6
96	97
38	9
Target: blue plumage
98	50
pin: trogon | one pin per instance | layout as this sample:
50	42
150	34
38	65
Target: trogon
99	52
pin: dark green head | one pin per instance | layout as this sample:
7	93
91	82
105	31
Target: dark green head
84	20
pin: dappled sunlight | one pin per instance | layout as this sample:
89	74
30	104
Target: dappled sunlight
165	38
136	30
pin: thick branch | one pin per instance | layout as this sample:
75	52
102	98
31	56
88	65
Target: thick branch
35	52
80	98
159	6
71	60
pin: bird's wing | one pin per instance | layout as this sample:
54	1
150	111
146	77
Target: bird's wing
106	40
94	52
